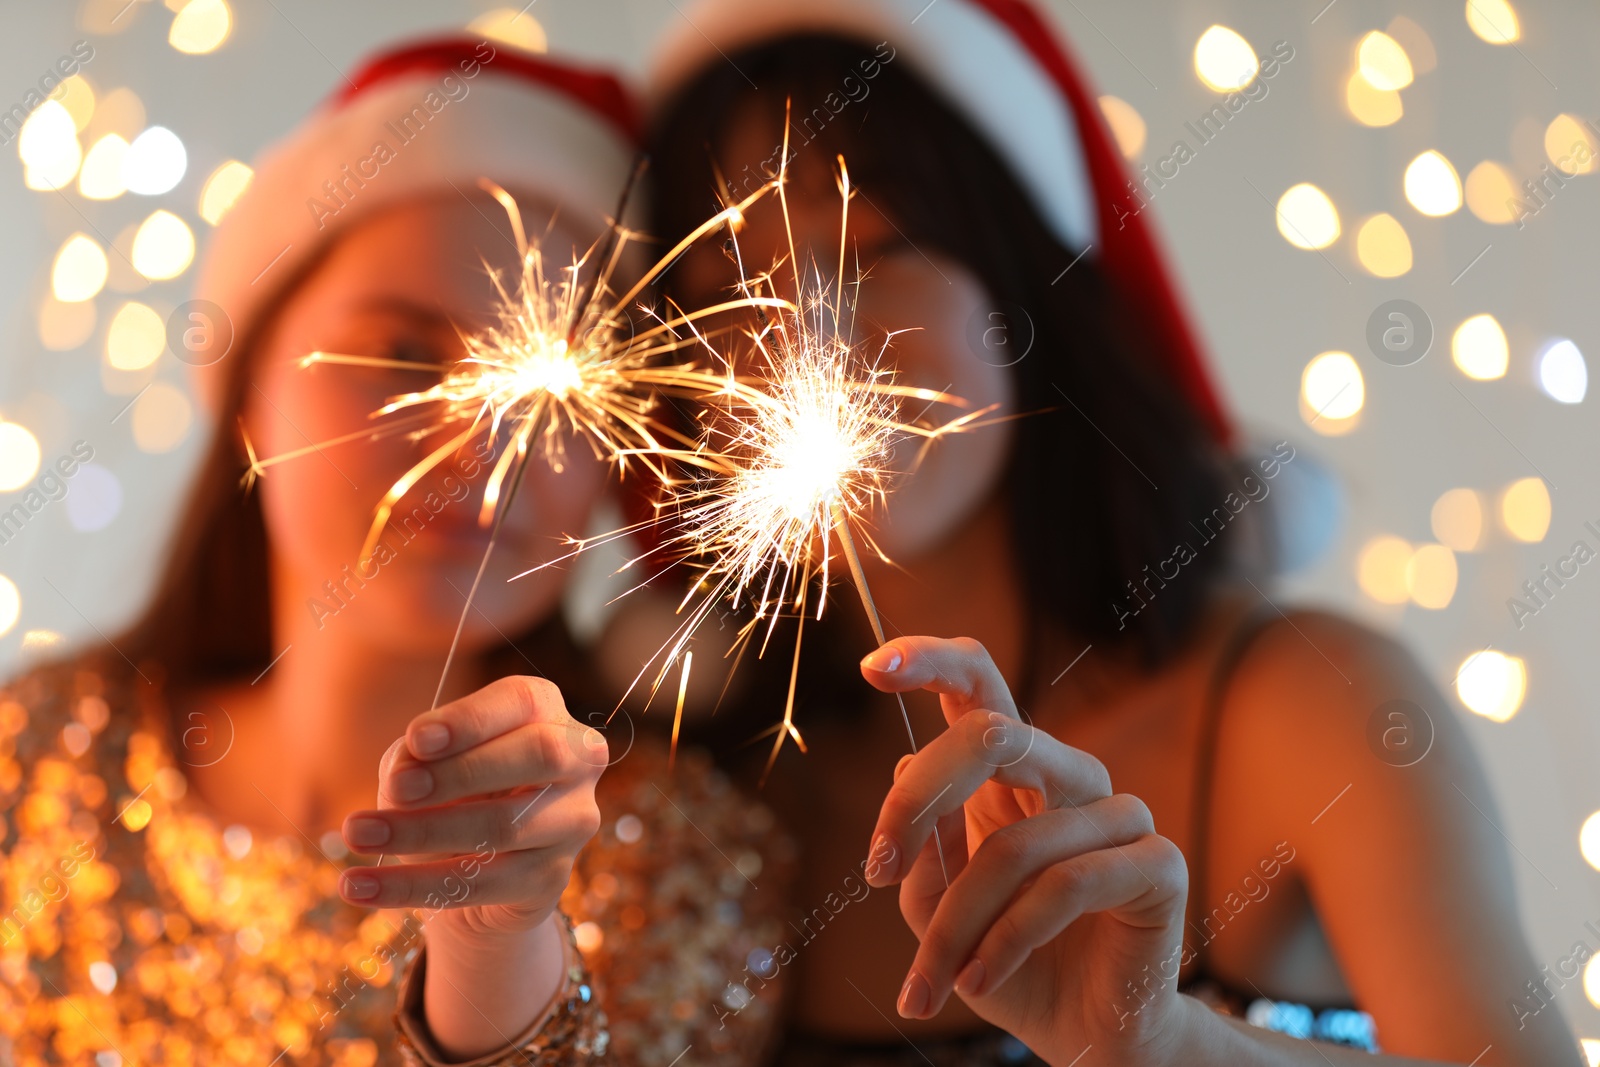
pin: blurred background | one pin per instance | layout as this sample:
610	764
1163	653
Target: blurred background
1388	242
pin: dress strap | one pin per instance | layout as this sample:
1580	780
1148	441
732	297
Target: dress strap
1238	642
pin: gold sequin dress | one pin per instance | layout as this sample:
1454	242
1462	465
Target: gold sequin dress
136	930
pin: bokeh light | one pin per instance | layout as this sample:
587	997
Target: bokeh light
1493	20
513	27
1332	392
120	112
1127	126
10	605
161	418
1480	349
136	337
1589	840
223	189
48	146
95	500
164	246
1591	1048
80	268
62	326
200	27
1415	40
1307	218
19	456
1383	247
77	96
1525	509
1492	684
101	176
1563	374
1491	193
1382	62
1224	60
1432	185
155	162
1457	519
1571	146
1381	569
1431	577
1370	106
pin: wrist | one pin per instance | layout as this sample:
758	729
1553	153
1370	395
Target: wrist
480	988
1193	1032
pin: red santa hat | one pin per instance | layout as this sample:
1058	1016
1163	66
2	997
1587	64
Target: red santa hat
998	64
429	117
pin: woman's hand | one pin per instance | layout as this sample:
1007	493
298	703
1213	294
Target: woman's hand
1062	921
486	802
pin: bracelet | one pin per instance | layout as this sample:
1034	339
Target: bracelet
570	1031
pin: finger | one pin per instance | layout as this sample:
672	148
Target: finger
952	767
527	877
959	669
496	709
532	818
534	754
1144	884
1003	866
924	884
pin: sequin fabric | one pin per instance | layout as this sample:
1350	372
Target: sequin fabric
134	929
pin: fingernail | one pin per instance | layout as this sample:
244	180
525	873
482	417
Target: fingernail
970	980
883	660
366	832
359	886
883	863
413	783
430	739
913	996
594	738
901	764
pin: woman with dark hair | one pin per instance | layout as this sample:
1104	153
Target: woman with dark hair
1095	551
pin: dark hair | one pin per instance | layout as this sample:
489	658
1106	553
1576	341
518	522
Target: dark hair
1111	466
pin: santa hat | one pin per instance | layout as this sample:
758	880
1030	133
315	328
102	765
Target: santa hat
998	64
427	118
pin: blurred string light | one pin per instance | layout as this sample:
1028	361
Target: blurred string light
125	278
1127	126
77	96
163	247
1383	63
136	337
1591	1048
10	605
1525	509
1480	349
1381	569
40	640
1493	20
120	112
1383	247
1370	106
1432	185
1571	145
510	26
1563	374
63	326
95	500
1491	194
1332	393
101	177
1457	520
80	268
1492	684
161	418
1589	840
48	146
1224	60
1591	980
1431	577
1415	40
155	162
223	189
19	456
200	26
1307	217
